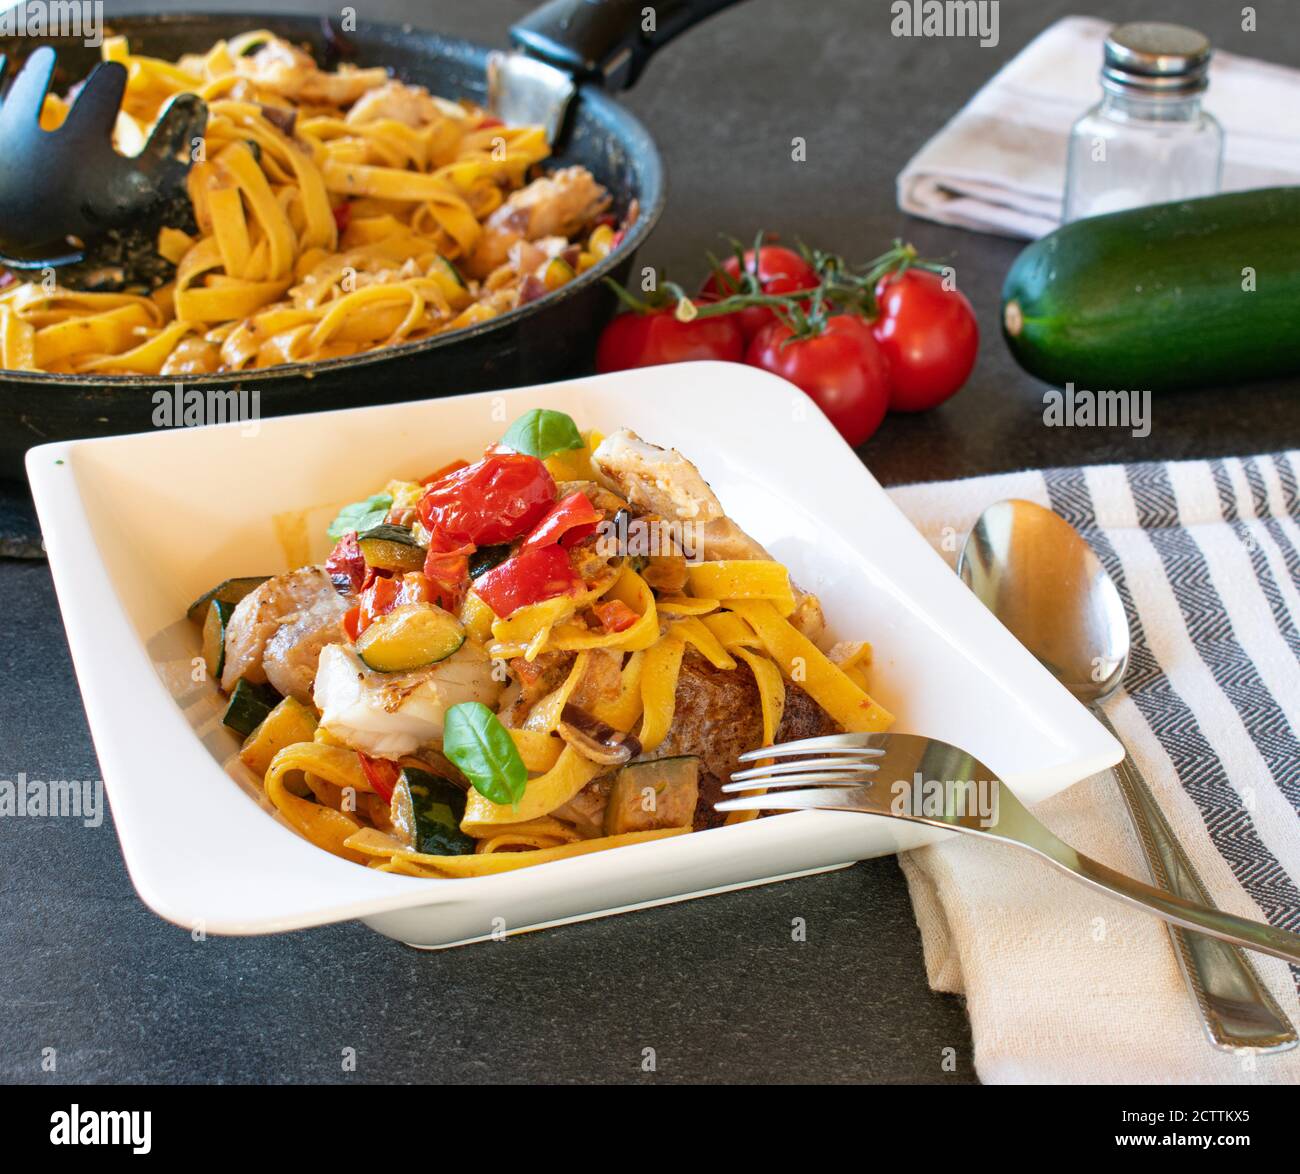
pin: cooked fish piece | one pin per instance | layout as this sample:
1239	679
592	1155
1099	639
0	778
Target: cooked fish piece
661	481
555	205
410	105
718	716
655	480
304	600
286	70
389	715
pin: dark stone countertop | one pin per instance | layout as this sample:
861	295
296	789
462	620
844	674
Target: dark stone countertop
717	987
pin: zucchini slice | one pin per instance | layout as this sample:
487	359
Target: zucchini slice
410	637
658	793
391	548
229	591
487	557
452	272
289	722
249	706
214	637
427	811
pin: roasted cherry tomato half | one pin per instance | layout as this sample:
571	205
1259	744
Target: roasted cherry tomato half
499	498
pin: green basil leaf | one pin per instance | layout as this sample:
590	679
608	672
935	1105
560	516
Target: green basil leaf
361	515
481	747
542	432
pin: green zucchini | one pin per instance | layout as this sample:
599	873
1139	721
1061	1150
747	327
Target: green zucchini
214	637
229	591
249	706
1192	294
387	532
427	811
391	548
452	272
487	557
411	636
655	793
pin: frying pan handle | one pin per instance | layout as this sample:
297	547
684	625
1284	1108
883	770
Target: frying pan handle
607	41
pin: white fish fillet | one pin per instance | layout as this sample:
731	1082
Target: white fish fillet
388	715
661	481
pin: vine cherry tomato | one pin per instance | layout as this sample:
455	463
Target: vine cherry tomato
780	271
842	369
929	336
647	339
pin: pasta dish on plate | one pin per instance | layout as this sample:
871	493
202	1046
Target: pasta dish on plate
559	648
326	213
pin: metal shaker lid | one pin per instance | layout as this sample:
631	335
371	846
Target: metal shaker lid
1150	58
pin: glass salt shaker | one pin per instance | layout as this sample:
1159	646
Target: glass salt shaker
1148	141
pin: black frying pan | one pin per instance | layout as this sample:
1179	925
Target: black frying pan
600	42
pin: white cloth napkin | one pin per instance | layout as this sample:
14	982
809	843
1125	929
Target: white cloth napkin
1066	986
999	164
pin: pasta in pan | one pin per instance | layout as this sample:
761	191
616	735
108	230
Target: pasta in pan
515	661
328	213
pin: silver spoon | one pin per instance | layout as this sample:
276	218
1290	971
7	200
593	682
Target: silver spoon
1035	572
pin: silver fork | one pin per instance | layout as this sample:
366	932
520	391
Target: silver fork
924	780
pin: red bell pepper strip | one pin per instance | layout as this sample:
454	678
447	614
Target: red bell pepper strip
529	577
378	599
351	622
381	774
571	511
446	566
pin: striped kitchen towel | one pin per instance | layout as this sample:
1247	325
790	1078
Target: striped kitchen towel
1062	986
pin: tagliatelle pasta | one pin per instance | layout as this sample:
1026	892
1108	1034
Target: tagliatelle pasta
333	212
484	676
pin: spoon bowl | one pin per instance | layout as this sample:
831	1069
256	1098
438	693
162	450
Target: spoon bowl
1034	571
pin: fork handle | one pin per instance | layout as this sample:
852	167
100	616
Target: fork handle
1236	1009
1015	823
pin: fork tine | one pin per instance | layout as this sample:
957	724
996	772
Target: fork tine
813	777
831	744
26	93
828	799
94	112
844	763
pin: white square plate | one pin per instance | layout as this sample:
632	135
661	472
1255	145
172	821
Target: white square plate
137	526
